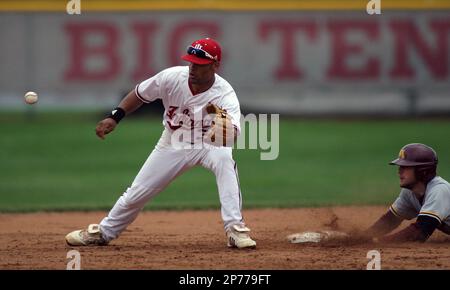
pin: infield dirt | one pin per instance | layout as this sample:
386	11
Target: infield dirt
196	240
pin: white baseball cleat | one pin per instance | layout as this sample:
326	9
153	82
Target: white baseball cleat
238	237
90	236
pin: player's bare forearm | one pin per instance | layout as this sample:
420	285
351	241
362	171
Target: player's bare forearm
384	225
419	231
128	104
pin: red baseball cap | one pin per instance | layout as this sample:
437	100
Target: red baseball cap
203	51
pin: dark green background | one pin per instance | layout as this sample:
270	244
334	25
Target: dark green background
54	161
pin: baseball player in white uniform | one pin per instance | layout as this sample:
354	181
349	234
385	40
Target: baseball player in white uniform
185	92
424	196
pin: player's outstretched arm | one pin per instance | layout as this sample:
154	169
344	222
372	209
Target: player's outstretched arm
384	225
419	231
128	105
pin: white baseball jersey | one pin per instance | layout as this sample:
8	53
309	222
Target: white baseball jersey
183	110
436	203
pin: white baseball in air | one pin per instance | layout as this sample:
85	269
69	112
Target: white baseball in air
31	98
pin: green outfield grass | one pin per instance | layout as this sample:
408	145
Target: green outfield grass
54	161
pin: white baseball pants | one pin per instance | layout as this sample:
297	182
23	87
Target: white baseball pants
162	166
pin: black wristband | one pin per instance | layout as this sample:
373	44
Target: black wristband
117	114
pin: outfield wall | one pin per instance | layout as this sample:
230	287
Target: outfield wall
299	62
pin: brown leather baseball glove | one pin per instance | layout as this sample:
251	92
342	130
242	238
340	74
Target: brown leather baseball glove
222	132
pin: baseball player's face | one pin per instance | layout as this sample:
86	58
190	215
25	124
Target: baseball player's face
200	74
407	176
